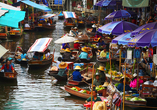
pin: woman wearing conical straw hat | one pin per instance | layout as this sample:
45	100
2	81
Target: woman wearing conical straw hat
101	70
62	69
84	54
67	55
76	74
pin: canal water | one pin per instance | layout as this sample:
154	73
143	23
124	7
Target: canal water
34	89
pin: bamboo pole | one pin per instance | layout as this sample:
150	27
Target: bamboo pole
33	15
92	88
120	60
110	66
124	86
137	73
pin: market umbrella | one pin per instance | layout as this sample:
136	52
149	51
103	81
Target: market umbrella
144	39
65	39
122	39
117	27
118	14
144	28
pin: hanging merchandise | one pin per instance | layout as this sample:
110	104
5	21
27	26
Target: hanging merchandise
137	53
129	54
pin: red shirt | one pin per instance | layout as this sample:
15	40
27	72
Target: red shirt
77	45
7	67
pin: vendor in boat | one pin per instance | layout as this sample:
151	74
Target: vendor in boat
77	45
97	81
76	74
95	98
75	31
72	33
47	55
133	83
57	62
62	69
18	51
11	62
101	43
94	28
7	67
67	55
101	70
121	85
65	45
69	20
36	56
84	53
24	56
104	54
150	81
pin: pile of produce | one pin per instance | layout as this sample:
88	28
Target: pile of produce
100	87
74	88
134	99
80	90
54	68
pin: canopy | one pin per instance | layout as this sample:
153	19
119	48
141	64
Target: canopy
65	39
3	5
12	18
68	14
144	28
3	50
117	27
106	3
2	12
40	45
61	14
48	15
35	5
144	39
99	3
118	14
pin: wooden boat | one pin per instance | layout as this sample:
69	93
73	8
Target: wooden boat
59	78
45	27
15	32
28	29
86	74
90	23
40	63
77	93
74	54
66	24
8	76
3	36
89	31
81	22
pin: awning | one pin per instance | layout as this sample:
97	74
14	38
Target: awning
48	16
2	50
3	5
35	5
40	45
12	18
2	12
68	14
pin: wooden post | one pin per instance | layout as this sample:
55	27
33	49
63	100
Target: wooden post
33	15
110	67
92	88
100	15
137	73
124	86
120	60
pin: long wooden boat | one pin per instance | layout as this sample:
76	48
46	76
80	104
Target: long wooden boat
59	78
66	24
40	63
89	31
3	36
60	16
86	74
81	22
20	61
73	53
45	27
8	76
77	93
28	29
14	33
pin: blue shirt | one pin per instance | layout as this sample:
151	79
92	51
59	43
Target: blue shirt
65	46
120	87
77	76
101	43
83	55
13	65
23	56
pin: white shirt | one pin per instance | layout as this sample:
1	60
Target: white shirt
48	54
57	64
27	25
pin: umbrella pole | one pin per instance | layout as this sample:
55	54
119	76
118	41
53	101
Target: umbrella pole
124	86
92	88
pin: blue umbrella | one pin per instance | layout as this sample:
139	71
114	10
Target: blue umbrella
118	14
117	27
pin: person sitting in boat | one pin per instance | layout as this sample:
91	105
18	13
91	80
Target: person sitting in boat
7	67
84	54
76	74
18	52
24	56
57	62
62	69
76	31
77	45
40	56
47	55
36	56
67	55
50	21
121	85
101	70
104	54
95	98
69	20
72	33
133	83
101	43
150	81
97	80
11	62
94	28
65	45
